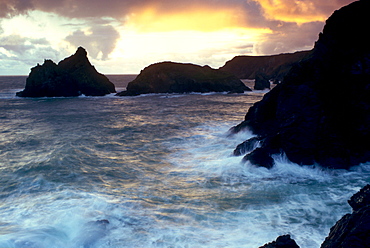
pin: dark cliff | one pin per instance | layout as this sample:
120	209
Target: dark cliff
273	67
73	76
169	77
321	111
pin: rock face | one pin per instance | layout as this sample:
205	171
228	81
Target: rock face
274	67
73	76
353	230
320	113
169	77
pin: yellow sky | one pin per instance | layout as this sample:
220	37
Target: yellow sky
125	36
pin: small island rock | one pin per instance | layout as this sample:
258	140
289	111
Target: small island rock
170	77
73	76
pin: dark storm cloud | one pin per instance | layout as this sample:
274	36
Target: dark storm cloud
98	8
120	8
99	40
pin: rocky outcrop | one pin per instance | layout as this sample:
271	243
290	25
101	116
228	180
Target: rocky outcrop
274	67
261	82
320	113
282	242
71	77
169	77
352	230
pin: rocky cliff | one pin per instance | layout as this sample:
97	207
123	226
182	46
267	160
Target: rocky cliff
73	76
169	77
321	112
273	67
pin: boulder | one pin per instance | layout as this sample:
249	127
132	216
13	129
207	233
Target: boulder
320	113
73	76
169	77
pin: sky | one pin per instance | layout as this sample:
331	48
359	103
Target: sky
125	36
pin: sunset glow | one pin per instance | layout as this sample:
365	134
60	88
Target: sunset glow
125	36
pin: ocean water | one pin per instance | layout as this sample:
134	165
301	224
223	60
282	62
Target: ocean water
152	171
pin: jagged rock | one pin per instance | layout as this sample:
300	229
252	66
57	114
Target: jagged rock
247	146
275	67
282	242
169	77
320	113
352	230
71	77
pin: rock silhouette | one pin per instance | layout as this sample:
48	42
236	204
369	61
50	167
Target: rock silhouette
73	76
170	77
320	113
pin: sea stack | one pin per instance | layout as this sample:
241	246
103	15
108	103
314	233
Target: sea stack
320	113
72	76
170	77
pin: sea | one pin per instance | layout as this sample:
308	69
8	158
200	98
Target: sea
154	170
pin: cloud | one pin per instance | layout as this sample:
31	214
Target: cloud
18	53
300	11
21	45
14	7
187	30
289	37
99	40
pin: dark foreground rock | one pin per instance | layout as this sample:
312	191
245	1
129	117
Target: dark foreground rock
274	67
73	76
351	231
282	242
320	113
169	77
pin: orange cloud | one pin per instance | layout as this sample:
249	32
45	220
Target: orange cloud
151	19
299	11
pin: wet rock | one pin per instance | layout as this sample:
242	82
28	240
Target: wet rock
169	77
284	241
360	199
320	113
352	230
246	147
73	76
